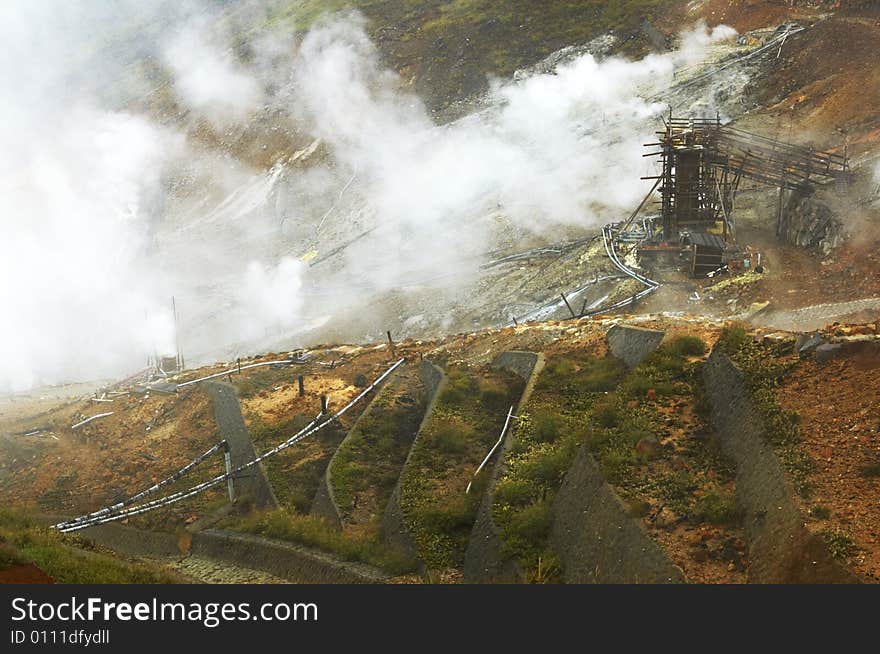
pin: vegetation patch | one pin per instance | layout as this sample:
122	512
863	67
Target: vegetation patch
764	368
465	423
365	469
652	418
364	547
296	473
453	47
646	429
64	557
548	433
839	543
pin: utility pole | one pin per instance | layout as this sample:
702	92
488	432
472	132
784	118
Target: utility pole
176	335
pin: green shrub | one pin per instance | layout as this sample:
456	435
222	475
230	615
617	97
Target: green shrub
820	512
599	375
545	465
460	386
514	492
451	437
558	367
839	543
717	507
546	426
687	346
640	382
615	463
532	522
732	339
453	516
606	413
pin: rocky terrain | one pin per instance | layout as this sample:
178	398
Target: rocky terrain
725	430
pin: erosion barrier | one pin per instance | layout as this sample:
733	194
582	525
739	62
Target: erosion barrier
287	560
781	549
227	412
394	530
324	504
483	561
632	344
596	538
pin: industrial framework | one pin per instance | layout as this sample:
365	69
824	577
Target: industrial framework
702	165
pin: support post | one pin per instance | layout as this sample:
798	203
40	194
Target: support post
227	459
302	385
324	405
780	210
391	344
570	310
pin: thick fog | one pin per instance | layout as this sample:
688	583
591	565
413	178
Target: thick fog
146	154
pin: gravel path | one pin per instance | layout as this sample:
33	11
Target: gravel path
209	571
820	315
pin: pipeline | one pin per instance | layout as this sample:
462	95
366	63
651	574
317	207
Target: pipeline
148	491
199	488
237	369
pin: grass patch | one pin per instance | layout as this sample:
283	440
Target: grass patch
64	557
764	369
366	467
466	422
687	346
548	434
717	507
296	473
618	416
839	543
315	532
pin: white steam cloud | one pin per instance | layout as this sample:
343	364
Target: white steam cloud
108	210
208	77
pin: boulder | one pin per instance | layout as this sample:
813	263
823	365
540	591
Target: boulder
828	351
632	344
809	344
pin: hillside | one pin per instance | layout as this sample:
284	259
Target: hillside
419	340
655	434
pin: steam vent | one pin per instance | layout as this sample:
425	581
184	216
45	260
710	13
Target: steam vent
439	293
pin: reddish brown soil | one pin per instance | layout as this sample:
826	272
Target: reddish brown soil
706	553
839	408
744	15
25	573
798	278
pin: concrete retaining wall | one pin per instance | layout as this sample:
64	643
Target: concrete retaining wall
781	549
133	542
286	560
596	538
483	562
394	530
252	483
324	504
632	344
